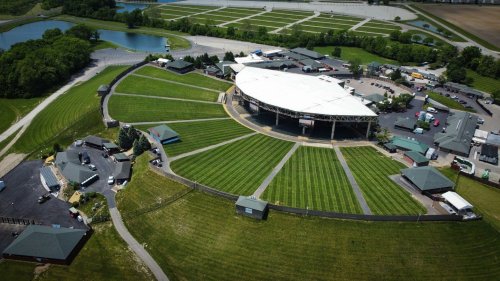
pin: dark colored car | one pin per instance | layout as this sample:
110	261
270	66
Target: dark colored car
42	199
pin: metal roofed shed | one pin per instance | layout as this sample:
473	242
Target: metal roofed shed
415	159
164	134
252	207
103	90
376	98
94	141
111	146
308	53
120	157
428	179
46	244
409	144
458	203
493	139
489	154
405	123
179	66
389	147
248	59
49	179
122	171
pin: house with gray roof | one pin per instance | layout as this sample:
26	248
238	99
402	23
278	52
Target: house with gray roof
405	123
69	164
180	66
122	171
49	179
308	53
164	134
95	141
251	207
45	244
407	144
459	132
427	179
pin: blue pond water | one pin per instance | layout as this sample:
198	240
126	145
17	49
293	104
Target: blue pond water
129	7
419	23
139	42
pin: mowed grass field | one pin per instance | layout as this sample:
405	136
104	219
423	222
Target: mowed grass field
449	102
15	109
314	179
195	79
142	109
199	237
483	83
351	53
104	257
371	170
139	85
195	135
70	108
237	168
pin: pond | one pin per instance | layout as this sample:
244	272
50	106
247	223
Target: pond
129	7
419	23
133	41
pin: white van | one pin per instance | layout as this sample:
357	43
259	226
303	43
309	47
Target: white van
431	110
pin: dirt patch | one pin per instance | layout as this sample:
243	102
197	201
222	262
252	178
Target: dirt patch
9	162
39	269
482	21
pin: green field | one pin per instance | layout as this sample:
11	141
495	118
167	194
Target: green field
199	237
195	135
15	109
71	114
150	87
483	83
314	179
449	102
104	257
195	79
142	109
237	168
351	53
371	170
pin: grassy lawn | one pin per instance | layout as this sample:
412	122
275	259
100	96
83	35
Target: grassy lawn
151	87
195	79
145	188
449	102
72	114
371	170
199	237
104	45
15	109
351	53
483	83
195	135
104	257
176	42
313	178
142	109
88	207
237	168
484	198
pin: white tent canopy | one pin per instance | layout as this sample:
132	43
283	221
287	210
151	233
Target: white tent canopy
457	201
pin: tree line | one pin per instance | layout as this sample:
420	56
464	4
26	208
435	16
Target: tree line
472	58
31	68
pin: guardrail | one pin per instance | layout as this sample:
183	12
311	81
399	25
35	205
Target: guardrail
483	107
16	221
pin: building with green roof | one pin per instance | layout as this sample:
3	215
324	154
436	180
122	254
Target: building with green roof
251	207
460	130
46	244
428	179
164	134
415	159
180	66
408	144
405	123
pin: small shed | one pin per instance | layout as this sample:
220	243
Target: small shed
409	144
391	148
407	124
252	207
49	179
164	134
95	142
457	202
122	171
427	179
489	154
415	159
103	90
111	147
180	66
121	157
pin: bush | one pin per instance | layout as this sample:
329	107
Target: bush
92	194
75	204
424	125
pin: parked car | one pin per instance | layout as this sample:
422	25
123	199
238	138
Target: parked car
462	101
111	180
454	97
480	120
85	157
92	167
417	114
431	110
418	131
105	155
436	122
42	199
2	185
447	95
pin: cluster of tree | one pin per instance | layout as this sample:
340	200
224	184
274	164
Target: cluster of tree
49	4
100	9
18	7
202	61
397	104
31	68
141	145
129	137
472	58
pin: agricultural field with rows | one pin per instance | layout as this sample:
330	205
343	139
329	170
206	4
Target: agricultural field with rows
371	170
237	168
314	179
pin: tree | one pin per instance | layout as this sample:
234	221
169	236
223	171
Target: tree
496	96
137	148
337	52
126	137
230	31
56	148
383	136
228	56
355	67
51	34
487	66
81	31
470	53
397	18
396	75
428	41
310	45
455	72
416	38
144	143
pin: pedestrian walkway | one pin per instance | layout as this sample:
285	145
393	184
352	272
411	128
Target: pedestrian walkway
275	171
354	184
359	24
296	22
200	13
244	18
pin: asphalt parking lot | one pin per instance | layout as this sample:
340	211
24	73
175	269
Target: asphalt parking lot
463	97
20	198
364	86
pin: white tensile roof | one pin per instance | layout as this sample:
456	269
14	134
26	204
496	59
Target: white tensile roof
300	93
248	59
456	200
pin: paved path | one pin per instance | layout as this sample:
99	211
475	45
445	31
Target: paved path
175	82
354	184
178	121
262	187
211	147
359	24
130	240
245	18
165	98
294	23
427	202
200	13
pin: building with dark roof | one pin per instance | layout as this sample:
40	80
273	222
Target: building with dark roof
120	157
409	144
405	123
49	179
310	64
103	90
391	148
415	159
180	66
95	142
46	244
375	98
294	56
274	64
224	69
489	154
251	207
464	89
69	164
459	133
427	179
308	53
111	147
164	134
122	171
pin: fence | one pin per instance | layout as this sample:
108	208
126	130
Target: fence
481	180
483	107
100	219
16	221
156	206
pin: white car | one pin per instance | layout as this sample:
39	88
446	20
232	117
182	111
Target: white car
431	110
111	180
